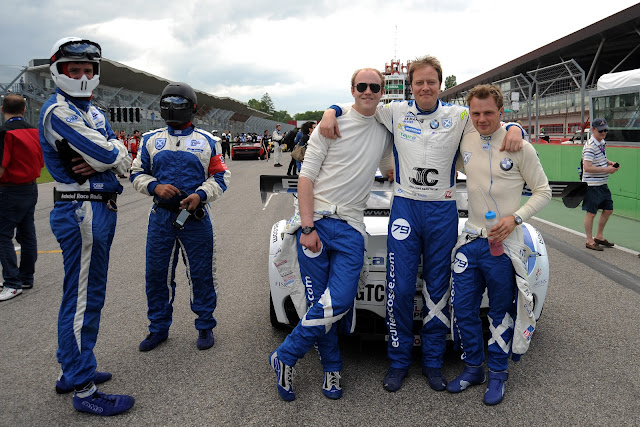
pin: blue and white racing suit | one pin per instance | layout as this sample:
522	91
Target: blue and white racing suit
190	160
423	222
84	229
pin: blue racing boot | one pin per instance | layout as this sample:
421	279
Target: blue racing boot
393	380
437	381
103	404
472	375
63	387
205	339
495	387
152	340
331	386
284	376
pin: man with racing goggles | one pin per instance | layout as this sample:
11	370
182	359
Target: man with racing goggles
181	166
333	189
423	220
497	180
83	155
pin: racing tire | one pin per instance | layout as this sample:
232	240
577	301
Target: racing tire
272	315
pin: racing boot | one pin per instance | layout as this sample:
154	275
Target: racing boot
472	375
63	387
284	377
393	380
152	340
205	339
94	402
495	387
331	386
436	380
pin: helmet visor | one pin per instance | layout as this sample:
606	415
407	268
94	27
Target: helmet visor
174	102
82	49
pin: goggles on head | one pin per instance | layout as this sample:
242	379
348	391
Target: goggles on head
79	49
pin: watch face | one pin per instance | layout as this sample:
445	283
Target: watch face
307	230
518	220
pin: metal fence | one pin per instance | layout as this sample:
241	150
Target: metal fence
36	88
558	85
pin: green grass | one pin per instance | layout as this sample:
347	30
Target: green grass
45	176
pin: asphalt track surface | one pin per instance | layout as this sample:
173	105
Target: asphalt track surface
583	366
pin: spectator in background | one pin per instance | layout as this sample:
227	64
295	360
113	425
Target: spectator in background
20	165
596	169
276	138
134	143
226	144
306	130
265	144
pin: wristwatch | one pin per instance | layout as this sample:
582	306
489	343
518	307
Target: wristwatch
308	230
518	219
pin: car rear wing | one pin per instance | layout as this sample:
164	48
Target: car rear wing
289	184
572	192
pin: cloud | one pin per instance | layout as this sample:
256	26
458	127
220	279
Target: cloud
301	53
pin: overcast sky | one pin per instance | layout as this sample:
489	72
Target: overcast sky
301	52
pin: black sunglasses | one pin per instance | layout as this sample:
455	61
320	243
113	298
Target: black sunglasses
361	87
604	131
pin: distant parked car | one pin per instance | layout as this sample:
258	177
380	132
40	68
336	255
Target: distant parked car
247	150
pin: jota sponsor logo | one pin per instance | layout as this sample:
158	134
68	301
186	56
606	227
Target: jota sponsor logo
391	296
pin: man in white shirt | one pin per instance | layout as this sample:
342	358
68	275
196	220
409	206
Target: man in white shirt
333	189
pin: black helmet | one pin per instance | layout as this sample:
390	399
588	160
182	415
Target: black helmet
178	104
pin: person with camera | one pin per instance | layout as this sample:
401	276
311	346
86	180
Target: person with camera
181	219
596	170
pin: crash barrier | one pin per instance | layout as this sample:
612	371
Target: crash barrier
561	162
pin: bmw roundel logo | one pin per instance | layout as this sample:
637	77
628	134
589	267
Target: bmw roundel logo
506	164
434	124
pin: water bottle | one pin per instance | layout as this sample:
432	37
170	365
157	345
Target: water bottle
495	248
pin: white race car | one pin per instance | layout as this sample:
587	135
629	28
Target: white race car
371	299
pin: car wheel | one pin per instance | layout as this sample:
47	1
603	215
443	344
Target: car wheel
272	315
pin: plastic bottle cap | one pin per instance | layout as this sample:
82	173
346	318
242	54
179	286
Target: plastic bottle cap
490	215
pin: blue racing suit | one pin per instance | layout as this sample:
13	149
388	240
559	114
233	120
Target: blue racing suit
71	127
190	160
423	223
330	277
474	269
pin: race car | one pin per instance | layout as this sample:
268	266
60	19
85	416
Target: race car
371	298
247	150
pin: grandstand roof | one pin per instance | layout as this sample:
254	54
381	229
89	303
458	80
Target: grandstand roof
115	74
607	46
